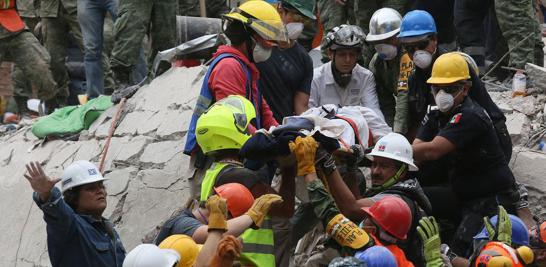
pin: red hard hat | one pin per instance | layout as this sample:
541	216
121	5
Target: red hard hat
238	198
392	214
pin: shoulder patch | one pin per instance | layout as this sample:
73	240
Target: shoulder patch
456	118
406	66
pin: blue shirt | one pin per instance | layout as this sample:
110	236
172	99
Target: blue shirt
78	240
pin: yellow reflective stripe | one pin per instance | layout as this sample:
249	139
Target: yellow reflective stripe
210	180
260	236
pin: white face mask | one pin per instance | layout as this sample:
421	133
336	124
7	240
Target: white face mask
445	101
294	30
422	58
386	51
260	53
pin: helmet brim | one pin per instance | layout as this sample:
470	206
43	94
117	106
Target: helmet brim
412	166
413	36
380	37
94	180
372	216
440	80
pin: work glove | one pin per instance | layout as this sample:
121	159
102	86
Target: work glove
429	233
347	233
503	230
304	149
261	207
355	158
325	161
217	208
229	248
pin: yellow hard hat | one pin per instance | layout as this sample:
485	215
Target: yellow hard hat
262	18
449	68
185	246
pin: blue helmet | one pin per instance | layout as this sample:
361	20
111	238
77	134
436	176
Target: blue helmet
377	256
520	234
416	23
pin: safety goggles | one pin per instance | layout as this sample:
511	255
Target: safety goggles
421	45
450	89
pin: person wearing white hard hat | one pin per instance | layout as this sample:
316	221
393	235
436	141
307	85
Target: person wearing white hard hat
390	62
77	234
392	175
148	255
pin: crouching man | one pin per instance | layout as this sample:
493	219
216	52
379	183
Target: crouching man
77	234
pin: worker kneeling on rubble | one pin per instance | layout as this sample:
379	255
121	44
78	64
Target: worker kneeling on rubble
479	176
77	234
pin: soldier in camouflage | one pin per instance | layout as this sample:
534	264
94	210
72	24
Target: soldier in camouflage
215	8
136	19
17	44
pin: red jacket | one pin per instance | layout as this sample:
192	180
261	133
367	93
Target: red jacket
229	78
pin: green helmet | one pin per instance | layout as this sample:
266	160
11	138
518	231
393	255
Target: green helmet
225	124
305	7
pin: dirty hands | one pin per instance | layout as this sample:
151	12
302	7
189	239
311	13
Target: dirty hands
217	208
39	181
304	149
261	207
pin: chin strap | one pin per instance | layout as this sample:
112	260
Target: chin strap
391	181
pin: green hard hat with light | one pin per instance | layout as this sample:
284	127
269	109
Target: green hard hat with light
225	124
305	7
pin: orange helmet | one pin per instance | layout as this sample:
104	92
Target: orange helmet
238	198
9	18
498	254
392	214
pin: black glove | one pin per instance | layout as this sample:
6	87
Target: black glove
324	161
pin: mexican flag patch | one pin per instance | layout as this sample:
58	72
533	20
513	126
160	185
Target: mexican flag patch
456	118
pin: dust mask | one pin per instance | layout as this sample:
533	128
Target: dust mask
422	58
386	51
294	30
444	101
260	53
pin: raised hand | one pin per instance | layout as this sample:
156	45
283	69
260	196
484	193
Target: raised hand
39	181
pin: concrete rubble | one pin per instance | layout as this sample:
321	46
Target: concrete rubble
149	173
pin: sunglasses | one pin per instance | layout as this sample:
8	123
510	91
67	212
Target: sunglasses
421	45
451	89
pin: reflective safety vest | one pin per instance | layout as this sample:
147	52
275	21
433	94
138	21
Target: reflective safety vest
258	245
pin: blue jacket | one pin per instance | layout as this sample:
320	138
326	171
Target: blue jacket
78	240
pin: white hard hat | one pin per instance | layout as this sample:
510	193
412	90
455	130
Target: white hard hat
384	24
149	255
79	173
394	146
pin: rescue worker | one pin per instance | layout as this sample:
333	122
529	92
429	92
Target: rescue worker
391	174
214	8
385	63
333	14
146	255
412	104
221	132
19	45
136	19
58	19
342	81
77	234
233	71
463	129
387	220
285	78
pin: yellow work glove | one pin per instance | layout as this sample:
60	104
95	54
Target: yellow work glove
261	207
217	208
304	149
503	230
526	254
347	233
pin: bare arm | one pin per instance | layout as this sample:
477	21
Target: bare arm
433	150
301	102
236	227
209	248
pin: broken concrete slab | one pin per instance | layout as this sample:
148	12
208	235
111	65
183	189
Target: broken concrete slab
525	105
131	148
118	180
158	179
136	121
515	123
161	152
536	76
175	122
529	168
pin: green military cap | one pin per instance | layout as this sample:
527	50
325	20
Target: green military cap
305	7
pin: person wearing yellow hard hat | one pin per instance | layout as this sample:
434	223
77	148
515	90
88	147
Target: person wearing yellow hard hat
479	176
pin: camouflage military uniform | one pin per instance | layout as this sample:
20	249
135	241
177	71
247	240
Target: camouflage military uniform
517	21
58	18
386	75
215	8
24	49
136	18
364	10
333	14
